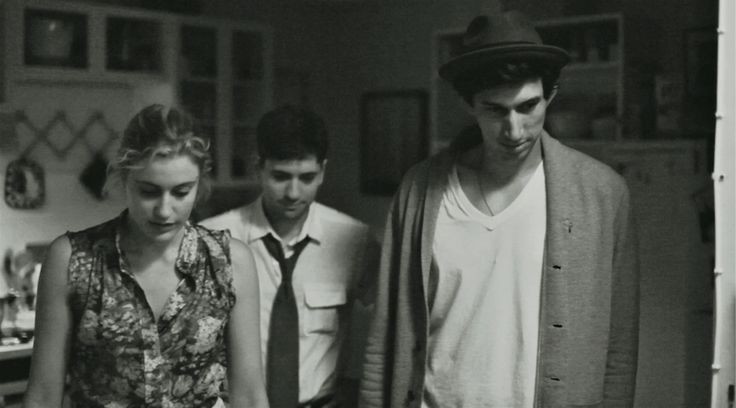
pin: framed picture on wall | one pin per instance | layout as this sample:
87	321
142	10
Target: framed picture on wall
393	137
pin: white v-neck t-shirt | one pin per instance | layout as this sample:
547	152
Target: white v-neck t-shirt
484	323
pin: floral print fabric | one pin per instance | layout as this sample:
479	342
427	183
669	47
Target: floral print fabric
120	355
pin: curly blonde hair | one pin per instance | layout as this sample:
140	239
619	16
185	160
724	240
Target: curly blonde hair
158	131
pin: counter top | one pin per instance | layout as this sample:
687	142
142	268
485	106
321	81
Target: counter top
16	351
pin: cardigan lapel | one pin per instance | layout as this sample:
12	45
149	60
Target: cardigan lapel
560	199
437	182
553	314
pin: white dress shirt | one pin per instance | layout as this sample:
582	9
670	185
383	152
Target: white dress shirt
329	274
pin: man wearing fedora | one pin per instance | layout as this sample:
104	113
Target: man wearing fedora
509	272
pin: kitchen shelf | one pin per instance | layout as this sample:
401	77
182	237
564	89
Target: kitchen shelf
591	86
7	355
16	351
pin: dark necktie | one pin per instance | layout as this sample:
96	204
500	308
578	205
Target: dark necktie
282	364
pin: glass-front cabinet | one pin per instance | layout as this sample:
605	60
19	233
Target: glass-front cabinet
133	45
51	41
225	82
218	70
248	97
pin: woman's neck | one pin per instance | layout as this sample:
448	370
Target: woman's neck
135	243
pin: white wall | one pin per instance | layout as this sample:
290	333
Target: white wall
68	204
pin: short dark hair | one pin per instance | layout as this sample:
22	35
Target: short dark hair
290	132
470	83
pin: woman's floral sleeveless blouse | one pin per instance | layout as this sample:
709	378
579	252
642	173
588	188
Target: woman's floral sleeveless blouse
120	355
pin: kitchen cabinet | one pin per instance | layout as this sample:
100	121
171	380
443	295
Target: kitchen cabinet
218	70
82	43
14	366
225	80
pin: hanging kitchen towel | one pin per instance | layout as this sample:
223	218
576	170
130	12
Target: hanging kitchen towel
94	175
24	184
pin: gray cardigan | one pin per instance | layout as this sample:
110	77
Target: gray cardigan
588	328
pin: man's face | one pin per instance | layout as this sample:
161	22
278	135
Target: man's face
290	186
511	117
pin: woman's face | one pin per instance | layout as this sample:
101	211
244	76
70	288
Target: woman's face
160	196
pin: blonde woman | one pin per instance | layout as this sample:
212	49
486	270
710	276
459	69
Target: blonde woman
148	310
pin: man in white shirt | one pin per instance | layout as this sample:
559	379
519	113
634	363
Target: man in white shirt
509	274
312	261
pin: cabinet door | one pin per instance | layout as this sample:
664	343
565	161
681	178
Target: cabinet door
55	38
133	45
224	80
250	98
197	89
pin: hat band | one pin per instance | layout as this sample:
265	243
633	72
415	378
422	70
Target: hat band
500	44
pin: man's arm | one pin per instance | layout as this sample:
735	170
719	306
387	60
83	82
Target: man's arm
356	317
620	380
365	290
373	377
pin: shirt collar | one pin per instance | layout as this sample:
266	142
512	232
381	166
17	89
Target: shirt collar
260	226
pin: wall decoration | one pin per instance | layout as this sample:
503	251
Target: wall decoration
95	134
24	184
94	176
393	137
42	134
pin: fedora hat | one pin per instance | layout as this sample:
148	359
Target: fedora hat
501	37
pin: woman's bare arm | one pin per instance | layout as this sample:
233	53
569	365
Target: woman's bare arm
52	329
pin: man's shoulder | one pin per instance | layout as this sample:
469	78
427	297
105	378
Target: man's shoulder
585	165
227	219
422	172
329	215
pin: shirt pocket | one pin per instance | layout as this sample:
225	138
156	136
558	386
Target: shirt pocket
323	301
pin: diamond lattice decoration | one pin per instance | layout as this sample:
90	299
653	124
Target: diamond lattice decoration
53	133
